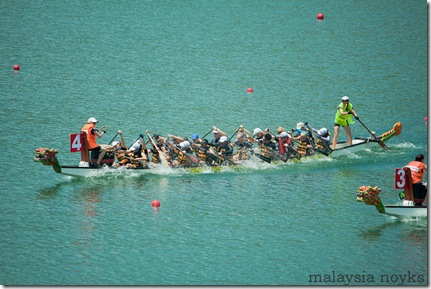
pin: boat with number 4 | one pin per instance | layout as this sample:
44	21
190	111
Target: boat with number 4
85	168
408	208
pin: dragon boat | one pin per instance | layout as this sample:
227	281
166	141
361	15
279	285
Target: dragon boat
48	156
405	209
362	143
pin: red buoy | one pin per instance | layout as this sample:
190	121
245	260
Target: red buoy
155	203
16	67
250	90
320	16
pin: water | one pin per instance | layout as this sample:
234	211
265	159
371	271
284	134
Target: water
181	67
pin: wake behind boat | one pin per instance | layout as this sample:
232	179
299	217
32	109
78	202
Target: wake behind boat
86	167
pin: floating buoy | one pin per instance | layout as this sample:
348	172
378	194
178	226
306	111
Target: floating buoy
320	16
250	90
426	119
16	67
155	203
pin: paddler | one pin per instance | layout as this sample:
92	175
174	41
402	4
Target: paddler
344	118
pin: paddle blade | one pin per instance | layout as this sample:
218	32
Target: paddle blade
382	144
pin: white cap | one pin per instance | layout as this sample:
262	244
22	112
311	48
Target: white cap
114	143
223	139
345	98
256	131
136	145
300	125
322	131
92	119
284	134
216	131
185	144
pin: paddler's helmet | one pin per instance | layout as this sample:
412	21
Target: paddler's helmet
185	144
323	131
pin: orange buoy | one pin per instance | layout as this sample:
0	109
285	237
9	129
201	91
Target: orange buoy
320	16
250	90
155	203
16	67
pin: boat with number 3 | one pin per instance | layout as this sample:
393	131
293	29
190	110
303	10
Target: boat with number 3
406	209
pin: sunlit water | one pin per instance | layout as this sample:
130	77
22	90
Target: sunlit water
180	68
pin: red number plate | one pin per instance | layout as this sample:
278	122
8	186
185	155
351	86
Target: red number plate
75	142
400	179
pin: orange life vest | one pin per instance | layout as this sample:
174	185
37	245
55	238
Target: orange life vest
91	138
417	170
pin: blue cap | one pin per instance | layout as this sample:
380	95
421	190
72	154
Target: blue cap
195	136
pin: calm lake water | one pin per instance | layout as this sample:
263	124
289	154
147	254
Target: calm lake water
180	67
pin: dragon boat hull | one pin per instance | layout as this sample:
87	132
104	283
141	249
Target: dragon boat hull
77	171
358	144
406	211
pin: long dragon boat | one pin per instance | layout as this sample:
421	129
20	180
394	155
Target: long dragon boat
48	156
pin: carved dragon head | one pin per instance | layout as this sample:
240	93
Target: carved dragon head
370	196
45	156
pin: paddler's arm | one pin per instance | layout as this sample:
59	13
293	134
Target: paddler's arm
175	137
221	132
351	111
144	148
122	142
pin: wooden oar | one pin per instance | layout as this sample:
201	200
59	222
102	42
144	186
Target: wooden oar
144	146
113	139
234	133
222	158
161	154
135	141
382	144
207	134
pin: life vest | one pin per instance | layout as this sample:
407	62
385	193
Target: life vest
243	153
417	170
320	144
182	158
226	150
302	147
266	151
344	120
91	138
155	158
242	149
201	153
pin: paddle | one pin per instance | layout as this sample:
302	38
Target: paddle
234	133
161	154
207	134
113	139
135	141
378	140
144	146
222	158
